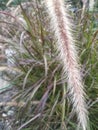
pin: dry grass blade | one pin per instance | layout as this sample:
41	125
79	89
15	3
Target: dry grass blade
32	119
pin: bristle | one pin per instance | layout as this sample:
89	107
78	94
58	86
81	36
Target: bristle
60	24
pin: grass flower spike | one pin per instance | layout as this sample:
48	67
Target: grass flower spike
60	23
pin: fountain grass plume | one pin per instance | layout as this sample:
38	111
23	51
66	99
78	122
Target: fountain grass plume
61	25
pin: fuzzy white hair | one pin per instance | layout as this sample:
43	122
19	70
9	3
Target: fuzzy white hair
60	24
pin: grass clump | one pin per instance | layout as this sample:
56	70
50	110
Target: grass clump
42	90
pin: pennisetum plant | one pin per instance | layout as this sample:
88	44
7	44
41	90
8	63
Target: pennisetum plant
27	31
61	25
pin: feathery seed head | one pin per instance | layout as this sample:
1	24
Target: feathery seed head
61	26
